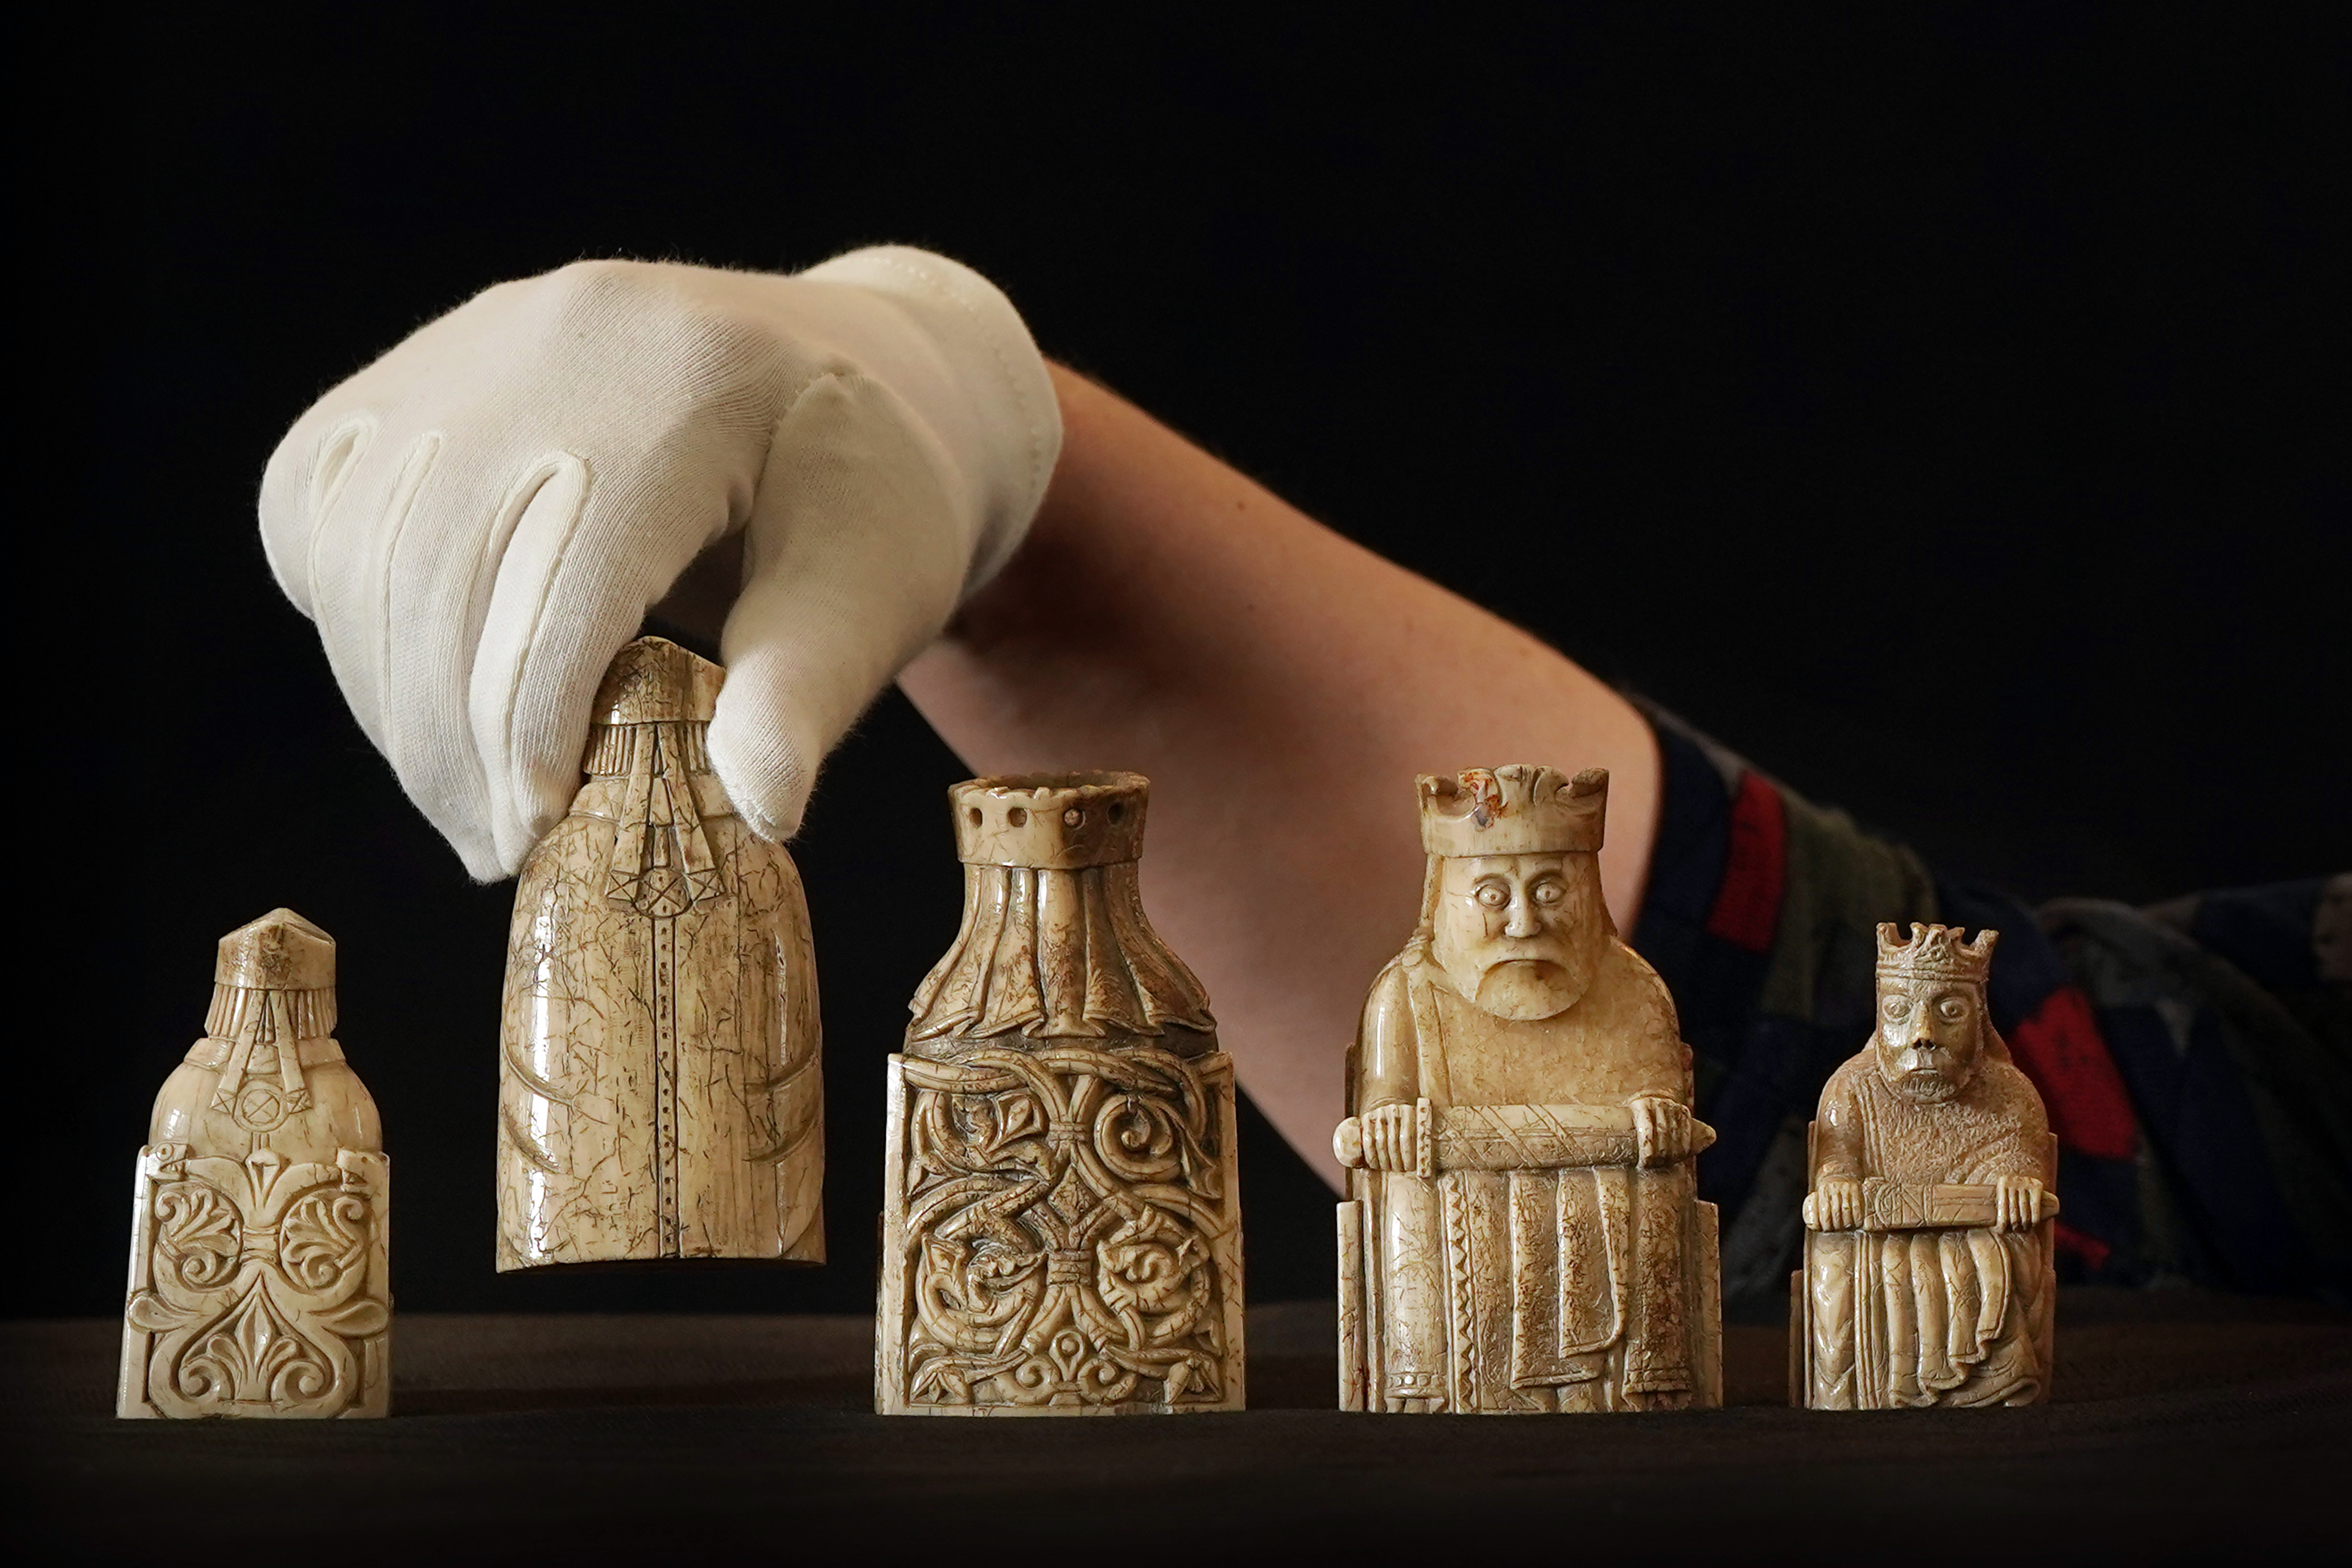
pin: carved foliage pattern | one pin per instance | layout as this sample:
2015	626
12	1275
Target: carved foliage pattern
1067	1214
260	1280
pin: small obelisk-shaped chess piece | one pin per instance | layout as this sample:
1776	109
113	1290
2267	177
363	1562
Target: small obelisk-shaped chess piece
1522	1233
1930	1222
259	1282
661	1089
1061	1224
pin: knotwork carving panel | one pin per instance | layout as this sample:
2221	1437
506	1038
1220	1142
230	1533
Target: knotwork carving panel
1069	1241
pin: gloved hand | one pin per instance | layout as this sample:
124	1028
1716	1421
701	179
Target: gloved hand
479	520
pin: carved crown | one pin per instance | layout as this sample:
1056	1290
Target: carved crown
1518	809
653	680
279	952
1935	952
1050	822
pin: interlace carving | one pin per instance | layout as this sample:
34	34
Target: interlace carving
1064	1209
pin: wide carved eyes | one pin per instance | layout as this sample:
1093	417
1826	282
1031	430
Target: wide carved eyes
1896	1009
1952	1009
1494	895
1550	893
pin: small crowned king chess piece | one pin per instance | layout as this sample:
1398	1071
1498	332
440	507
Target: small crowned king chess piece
1522	1233
660	1081
1061	1224
262	1213
1929	1223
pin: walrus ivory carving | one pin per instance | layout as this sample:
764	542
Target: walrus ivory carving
261	1219
1930	1222
1522	1233
1061	1228
660	1077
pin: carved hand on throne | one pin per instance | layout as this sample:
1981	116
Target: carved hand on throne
1389	1139
1836	1205
2019	1200
1665	1131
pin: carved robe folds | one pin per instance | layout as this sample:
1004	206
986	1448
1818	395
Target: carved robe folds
1926	1302
661	1091
1061	1225
1527	1265
1928	1225
259	1282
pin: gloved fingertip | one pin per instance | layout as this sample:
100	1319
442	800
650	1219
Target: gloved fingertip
762	771
484	860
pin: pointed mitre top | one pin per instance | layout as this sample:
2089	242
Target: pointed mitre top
279	952
1050	822
653	680
1518	809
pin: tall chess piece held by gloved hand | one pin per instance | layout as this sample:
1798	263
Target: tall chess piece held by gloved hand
660	1076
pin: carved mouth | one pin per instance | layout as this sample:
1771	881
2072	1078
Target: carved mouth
1926	1085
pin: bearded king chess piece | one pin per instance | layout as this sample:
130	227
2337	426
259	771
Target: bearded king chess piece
660	1081
261	1220
1930	1221
1061	1225
1522	1233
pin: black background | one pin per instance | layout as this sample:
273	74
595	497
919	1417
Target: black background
1943	408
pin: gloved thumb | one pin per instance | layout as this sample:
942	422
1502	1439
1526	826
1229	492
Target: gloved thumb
859	540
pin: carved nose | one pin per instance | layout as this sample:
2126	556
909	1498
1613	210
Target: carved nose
1523	920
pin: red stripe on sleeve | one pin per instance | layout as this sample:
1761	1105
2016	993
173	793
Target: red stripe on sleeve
2089	1249
2061	1049
1746	911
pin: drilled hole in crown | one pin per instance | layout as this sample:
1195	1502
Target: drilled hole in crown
974	815
1018	816
1073	816
1118	809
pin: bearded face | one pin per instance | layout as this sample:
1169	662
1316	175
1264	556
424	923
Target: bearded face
1929	1034
1521	935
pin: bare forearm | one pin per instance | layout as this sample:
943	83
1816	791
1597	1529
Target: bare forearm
1281	687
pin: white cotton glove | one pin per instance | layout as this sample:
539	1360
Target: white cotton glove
480	519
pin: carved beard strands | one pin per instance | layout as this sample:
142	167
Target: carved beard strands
1061	1220
259	1250
661	1090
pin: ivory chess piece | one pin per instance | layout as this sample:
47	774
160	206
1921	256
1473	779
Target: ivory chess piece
1061	1225
1522	1233
1929	1223
261	1218
660	1081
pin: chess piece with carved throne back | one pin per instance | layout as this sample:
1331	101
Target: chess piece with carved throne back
1930	1222
1522	1233
261	1218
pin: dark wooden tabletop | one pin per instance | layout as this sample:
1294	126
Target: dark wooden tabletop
2181	1422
